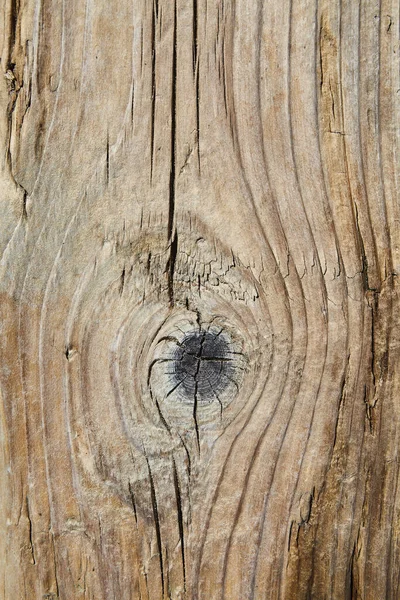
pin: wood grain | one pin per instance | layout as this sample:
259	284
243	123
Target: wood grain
176	171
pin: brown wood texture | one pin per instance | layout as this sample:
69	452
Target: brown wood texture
225	167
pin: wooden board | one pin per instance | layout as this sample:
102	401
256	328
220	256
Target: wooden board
199	305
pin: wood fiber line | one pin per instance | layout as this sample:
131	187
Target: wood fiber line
199	308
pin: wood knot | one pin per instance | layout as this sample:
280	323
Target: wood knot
196	373
203	365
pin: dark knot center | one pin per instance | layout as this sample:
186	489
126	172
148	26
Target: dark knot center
203	365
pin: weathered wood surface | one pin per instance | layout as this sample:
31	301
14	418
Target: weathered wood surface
171	167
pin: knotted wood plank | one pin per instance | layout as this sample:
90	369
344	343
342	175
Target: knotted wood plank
199	300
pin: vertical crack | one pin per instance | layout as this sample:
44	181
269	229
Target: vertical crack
196	61
132	496
172	235
199	357
156	524
172	181
180	520
195	39
171	267
108	159
153	85
197	92
24	202
30	532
